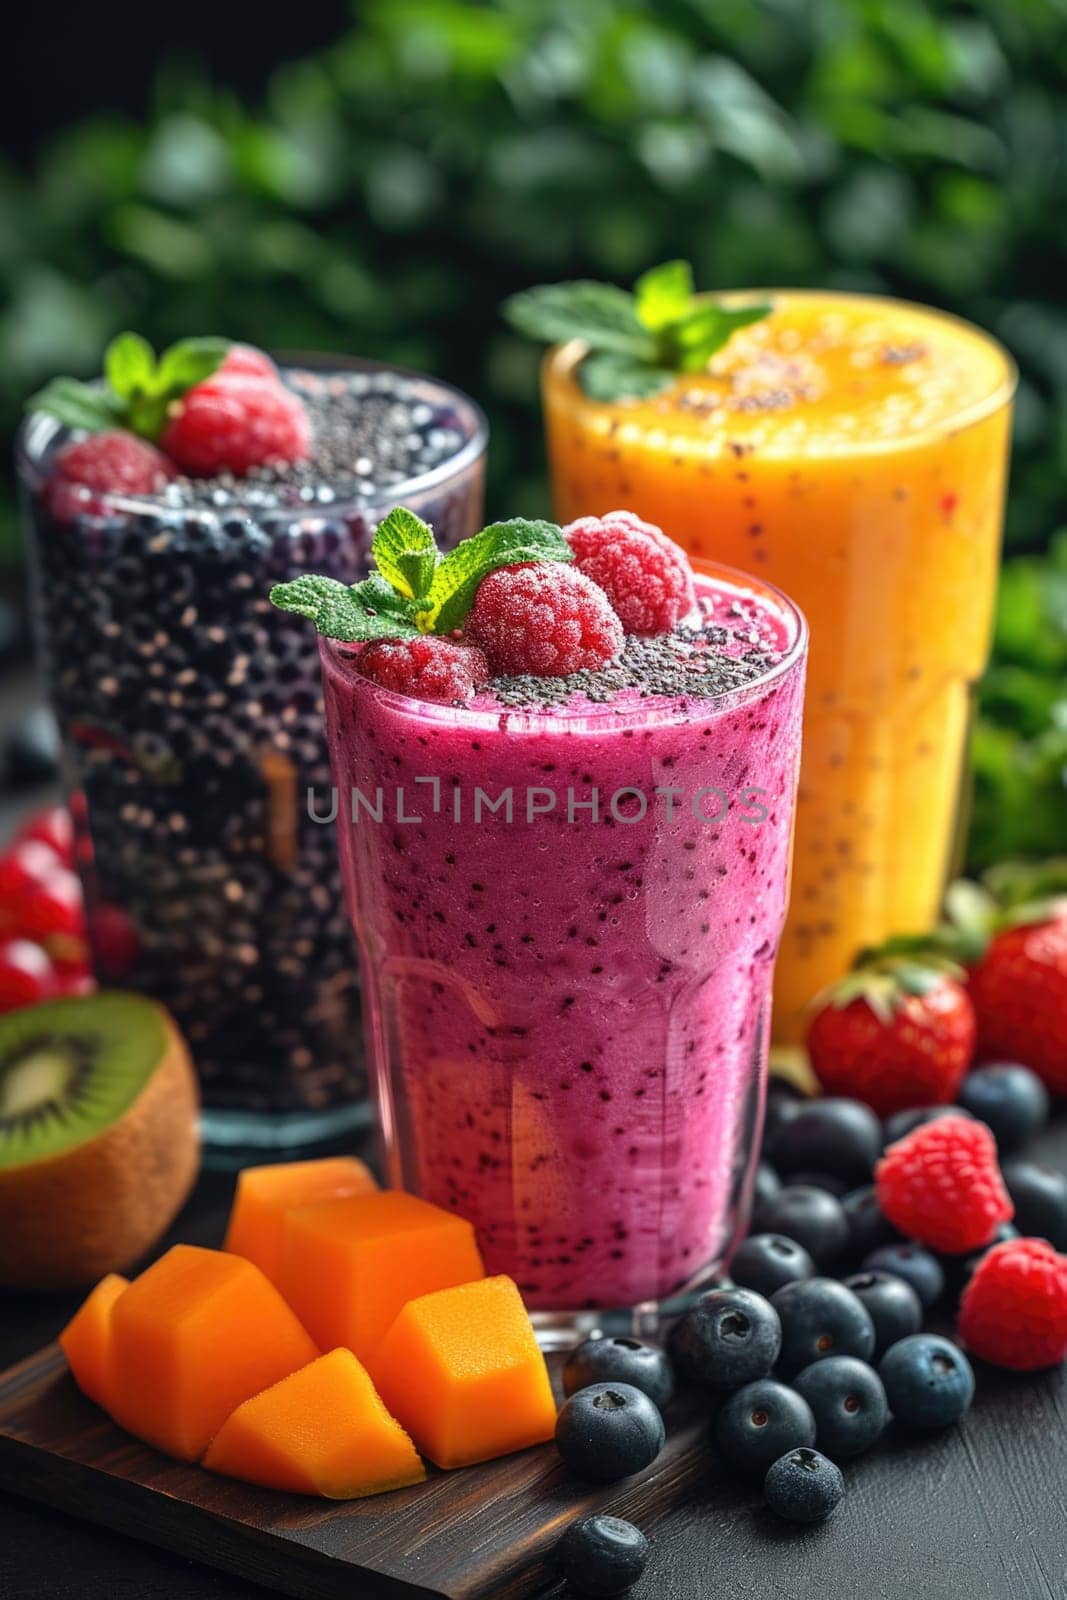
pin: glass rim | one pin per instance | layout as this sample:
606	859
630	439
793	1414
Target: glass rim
562	359
38	430
657	711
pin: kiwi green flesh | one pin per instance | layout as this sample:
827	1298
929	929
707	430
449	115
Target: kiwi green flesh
71	1068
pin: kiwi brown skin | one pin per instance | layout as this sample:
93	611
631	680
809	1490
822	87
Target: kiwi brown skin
69	1218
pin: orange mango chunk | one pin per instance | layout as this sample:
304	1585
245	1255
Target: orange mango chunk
324	1430
195	1335
265	1194
462	1372
350	1265
86	1340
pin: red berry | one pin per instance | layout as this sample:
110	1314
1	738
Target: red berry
1019	992
114	462
54	907
428	667
545	618
233	422
645	575
1014	1309
253	363
72	985
916	1055
54	827
114	941
941	1185
25	868
26	974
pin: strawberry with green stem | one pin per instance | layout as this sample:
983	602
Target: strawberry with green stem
898	1031
638	342
1012	928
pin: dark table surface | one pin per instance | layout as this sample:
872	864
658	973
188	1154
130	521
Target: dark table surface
977	1513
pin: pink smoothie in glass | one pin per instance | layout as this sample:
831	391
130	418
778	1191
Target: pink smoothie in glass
568	1008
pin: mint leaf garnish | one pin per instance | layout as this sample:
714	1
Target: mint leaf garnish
129	365
604	316
89	406
502	544
664	294
605	376
137	391
706	329
415	589
350	613
637	342
405	553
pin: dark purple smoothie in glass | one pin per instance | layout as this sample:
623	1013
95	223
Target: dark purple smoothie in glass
191	718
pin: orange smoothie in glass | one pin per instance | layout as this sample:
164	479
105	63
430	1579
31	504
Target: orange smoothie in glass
853	450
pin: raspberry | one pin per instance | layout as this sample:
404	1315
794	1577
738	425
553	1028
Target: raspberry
233	422
1014	1309
545	618
428	667
114	462
645	575
252	363
941	1185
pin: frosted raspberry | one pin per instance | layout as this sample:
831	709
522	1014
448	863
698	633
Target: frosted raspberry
234	421
250	362
428	667
544	618
941	1185
114	462
1014	1309
645	575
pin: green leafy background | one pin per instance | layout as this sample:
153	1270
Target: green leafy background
385	195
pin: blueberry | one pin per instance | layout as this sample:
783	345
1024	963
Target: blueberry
902	1123
766	1185
602	1556
928	1381
894	1306
761	1422
644	1366
1008	1098
784	1099
766	1262
912	1263
810	1216
729	1337
821	1318
609	1431
1040	1198
31	749
867	1226
839	1137
848	1403
803	1486
820	1180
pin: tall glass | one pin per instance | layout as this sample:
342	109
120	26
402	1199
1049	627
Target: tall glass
567	996
853	450
191	714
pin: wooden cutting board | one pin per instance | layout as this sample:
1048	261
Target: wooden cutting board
483	1533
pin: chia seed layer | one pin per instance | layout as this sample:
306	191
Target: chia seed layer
191	712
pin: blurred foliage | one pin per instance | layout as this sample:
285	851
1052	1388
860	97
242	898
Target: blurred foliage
387	193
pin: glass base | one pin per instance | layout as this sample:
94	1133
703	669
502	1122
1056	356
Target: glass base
231	1136
649	1320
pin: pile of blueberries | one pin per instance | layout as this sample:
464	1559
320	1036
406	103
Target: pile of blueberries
815	1341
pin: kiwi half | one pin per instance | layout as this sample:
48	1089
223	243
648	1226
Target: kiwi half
98	1141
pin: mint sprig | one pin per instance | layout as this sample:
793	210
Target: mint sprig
416	589
137	390
637	342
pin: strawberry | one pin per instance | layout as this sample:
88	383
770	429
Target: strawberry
1013	930
897	1032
